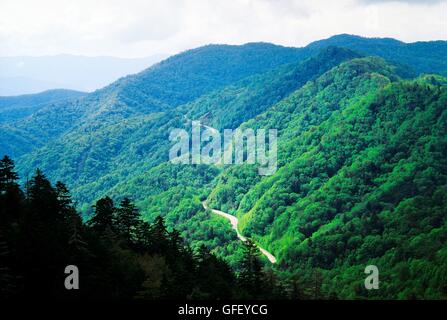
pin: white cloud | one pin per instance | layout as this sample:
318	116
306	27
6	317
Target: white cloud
134	28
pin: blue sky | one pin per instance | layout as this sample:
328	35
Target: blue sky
137	28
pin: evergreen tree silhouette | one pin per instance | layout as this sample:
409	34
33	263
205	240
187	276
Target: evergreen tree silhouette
158	236
127	217
8	176
11	197
102	218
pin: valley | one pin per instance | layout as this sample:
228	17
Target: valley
234	222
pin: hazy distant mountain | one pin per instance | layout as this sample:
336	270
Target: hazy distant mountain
24	75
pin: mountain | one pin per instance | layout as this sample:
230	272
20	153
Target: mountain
246	99
25	75
13	108
419	57
362	180
361	175
172	82
185	77
100	158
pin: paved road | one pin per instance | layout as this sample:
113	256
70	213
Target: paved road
234	221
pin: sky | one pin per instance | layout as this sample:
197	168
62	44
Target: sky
141	28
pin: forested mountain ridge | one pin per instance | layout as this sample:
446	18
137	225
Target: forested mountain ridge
420	57
122	135
176	80
253	95
24	120
366	185
186	76
361	151
306	109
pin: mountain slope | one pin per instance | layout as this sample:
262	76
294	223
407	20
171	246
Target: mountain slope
117	148
174	81
128	122
363	181
239	102
184	77
18	107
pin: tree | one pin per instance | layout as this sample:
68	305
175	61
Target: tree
8	176
127	219
250	277
42	198
158	235
65	203
10	194
316	284
102	219
78	247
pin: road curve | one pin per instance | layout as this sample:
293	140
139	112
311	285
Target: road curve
234	221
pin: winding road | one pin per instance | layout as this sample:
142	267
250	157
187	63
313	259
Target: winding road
234	221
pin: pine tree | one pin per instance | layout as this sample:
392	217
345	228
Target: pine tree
42	198
8	176
66	207
11	197
158	236
142	236
102	218
175	241
215	279
127	219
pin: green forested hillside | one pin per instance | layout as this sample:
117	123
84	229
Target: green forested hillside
18	107
117	145
21	125
362	182
361	173
251	96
